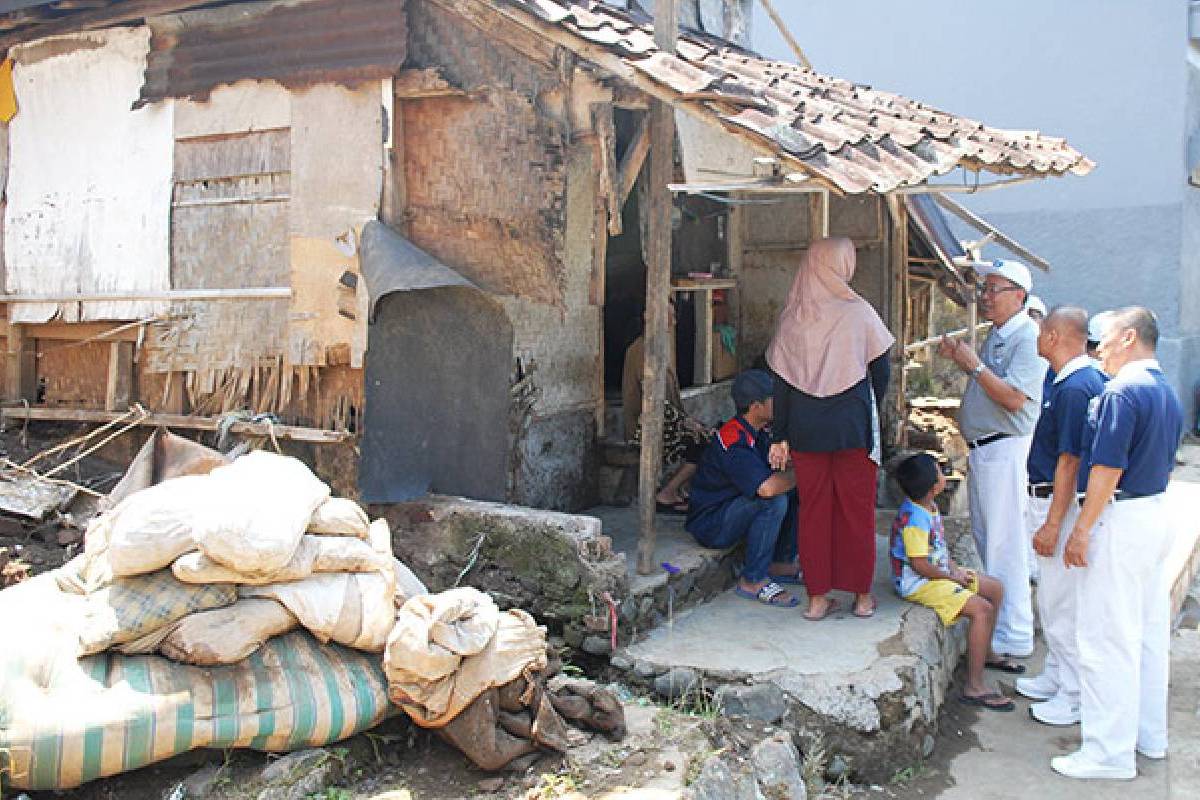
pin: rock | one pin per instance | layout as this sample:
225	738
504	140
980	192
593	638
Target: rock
200	784
676	682
636	759
491	784
669	766
298	775
777	769
68	536
597	645
718	781
621	662
836	769
927	745
524	762
644	669
762	701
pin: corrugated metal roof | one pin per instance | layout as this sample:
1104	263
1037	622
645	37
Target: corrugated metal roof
338	41
854	137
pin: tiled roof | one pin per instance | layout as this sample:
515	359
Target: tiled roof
851	136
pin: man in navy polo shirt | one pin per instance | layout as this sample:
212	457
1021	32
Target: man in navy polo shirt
737	496
1053	467
1122	537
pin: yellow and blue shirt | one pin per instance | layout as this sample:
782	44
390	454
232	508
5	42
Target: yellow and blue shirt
917	532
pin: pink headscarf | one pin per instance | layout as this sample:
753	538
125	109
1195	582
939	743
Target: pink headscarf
827	334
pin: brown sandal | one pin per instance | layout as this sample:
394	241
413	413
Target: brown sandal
831	606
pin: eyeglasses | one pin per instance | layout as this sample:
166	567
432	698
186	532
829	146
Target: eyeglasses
986	289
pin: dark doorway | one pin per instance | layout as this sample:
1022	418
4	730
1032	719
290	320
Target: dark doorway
437	397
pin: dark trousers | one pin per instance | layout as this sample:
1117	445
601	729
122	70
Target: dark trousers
767	524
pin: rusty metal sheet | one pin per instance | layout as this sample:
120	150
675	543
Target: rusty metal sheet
326	41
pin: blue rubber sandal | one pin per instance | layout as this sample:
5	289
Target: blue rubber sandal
767	594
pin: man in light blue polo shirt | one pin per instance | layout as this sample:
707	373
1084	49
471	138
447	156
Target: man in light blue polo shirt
1122	537
1053	465
998	413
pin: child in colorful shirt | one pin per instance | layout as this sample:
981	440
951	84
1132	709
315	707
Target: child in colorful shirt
924	573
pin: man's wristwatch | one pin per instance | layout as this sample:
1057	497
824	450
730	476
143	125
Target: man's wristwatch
975	372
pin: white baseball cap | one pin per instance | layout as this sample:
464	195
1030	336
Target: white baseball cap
1034	303
1013	271
1098	326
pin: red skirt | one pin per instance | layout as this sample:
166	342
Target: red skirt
836	523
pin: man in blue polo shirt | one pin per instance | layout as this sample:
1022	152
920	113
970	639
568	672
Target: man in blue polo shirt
737	496
1122	537
1053	467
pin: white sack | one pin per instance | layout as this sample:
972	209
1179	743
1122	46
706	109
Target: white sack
379	534
408	585
354	610
265	503
314	554
226	635
339	516
151	528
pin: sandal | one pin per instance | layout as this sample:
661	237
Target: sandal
830	607
988	701
679	509
870	612
1005	665
768	595
795	579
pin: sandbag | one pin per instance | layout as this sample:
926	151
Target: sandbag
445	650
130	608
151	528
81	720
339	516
314	554
408	585
162	457
356	610
226	635
265	503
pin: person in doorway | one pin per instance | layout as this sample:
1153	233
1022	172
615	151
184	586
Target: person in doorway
923	573
1121	540
684	437
1053	468
997	416
737	497
830	353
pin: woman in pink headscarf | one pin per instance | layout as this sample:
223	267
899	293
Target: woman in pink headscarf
830	353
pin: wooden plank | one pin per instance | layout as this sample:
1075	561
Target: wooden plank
608	176
983	226
633	158
787	34
79	331
698	285
118	392
897	310
735	242
704	338
295	433
20	365
263	293
658	284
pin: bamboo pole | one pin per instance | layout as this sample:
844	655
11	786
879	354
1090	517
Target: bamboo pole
658	288
787	35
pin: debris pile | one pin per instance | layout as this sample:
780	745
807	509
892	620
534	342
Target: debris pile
224	602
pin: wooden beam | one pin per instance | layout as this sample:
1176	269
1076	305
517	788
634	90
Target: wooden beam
79	331
609	179
295	433
702	302
254	293
897	262
787	34
118	392
982	225
633	158
99	18
20	366
658	287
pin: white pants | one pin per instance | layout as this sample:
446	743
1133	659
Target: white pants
1124	633
1056	601
998	494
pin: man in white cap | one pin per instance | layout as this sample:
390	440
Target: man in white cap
1122	537
999	410
1096	327
1035	308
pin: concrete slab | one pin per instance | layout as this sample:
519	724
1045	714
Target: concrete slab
672	544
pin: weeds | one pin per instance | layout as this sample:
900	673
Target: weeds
812	769
696	762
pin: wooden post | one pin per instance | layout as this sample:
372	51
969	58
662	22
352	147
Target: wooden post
20	366
703	303
658	287
897	310
735	234
118	394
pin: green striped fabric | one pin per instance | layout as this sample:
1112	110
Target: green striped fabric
89	718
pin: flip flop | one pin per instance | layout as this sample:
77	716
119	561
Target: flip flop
767	594
1005	665
869	613
982	701
832	606
789	580
671	508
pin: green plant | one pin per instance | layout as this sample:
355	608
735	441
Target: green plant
812	767
909	774
332	793
696	762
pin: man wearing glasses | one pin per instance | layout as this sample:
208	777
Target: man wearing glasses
997	417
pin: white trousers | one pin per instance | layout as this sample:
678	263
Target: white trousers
998	496
1056	601
1124	633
